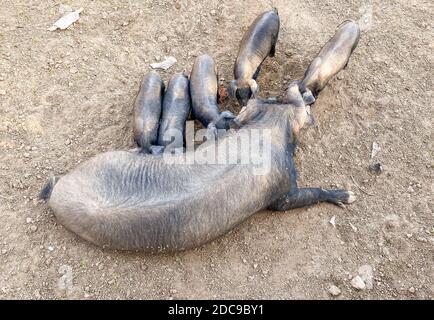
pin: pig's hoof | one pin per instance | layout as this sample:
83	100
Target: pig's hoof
157	149
341	197
351	197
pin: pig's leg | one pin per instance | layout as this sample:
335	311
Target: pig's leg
273	46
308	196
256	74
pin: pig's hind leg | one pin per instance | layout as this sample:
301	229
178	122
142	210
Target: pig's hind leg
308	196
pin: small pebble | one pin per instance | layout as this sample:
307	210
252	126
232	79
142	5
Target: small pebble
376	168
334	291
333	221
412	290
37	294
420	239
366	274
162	38
353	227
375	149
358	283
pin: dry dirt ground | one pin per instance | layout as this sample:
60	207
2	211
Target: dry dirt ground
67	95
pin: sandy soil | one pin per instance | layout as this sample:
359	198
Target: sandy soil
67	95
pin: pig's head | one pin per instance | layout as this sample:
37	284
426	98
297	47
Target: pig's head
243	90
288	117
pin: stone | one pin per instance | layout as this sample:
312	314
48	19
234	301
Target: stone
162	38
334	290
358	283
366	274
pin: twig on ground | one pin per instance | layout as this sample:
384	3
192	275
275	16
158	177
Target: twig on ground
364	191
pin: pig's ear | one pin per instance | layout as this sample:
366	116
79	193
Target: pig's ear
253	87
232	89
